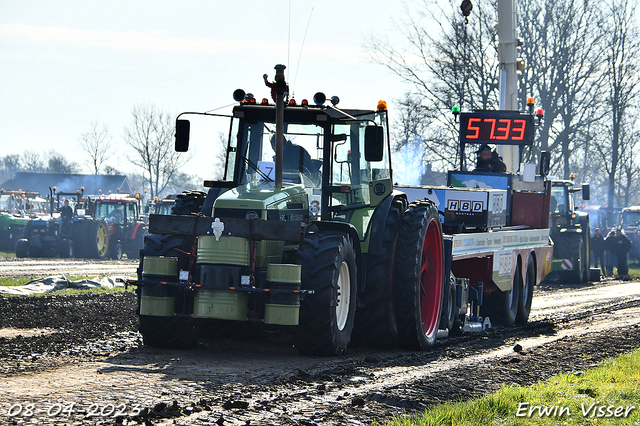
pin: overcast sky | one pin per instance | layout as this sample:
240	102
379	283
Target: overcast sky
66	63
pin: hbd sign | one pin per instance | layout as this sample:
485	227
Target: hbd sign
465	206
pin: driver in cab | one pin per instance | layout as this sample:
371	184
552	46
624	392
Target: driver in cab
489	161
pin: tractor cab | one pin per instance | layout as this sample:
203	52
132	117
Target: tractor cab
335	163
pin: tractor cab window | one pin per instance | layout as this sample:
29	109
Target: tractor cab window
349	166
302	153
110	212
132	213
631	218
561	200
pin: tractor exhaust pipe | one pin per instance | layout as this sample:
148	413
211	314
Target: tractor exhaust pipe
282	87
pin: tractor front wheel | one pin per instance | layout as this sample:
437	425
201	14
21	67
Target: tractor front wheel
23	248
327	316
419	276
168	332
66	248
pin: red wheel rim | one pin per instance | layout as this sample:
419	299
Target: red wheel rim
431	278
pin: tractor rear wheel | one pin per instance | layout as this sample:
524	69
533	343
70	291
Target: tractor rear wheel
326	317
97	239
526	293
376	322
419	276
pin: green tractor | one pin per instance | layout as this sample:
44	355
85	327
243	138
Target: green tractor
570	232
302	231
16	209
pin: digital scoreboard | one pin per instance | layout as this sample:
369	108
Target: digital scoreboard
496	127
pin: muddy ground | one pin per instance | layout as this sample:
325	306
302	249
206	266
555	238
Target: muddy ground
79	360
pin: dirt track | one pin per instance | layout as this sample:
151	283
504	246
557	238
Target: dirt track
84	350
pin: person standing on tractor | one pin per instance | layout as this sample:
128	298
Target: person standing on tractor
489	161
66	215
597	247
278	86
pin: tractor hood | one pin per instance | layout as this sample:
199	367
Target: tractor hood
7	219
263	200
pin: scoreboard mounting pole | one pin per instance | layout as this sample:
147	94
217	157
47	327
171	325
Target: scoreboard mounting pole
507	43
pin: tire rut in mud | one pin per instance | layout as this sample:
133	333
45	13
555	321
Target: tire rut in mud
95	326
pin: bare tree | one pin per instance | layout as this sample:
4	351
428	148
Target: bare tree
9	165
562	50
623	43
97	144
453	66
58	163
31	162
150	134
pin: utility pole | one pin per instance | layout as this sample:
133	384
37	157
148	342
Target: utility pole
507	43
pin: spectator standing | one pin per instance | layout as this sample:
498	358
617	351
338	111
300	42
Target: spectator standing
610	246
597	248
623	247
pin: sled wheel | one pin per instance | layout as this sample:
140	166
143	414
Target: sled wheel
502	306
526	293
449	311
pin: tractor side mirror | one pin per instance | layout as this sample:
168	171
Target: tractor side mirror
586	194
374	143
182	135
545	161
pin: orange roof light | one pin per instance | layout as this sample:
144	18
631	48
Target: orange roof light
382	105
530	102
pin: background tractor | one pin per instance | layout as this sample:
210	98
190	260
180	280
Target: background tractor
49	235
570	232
630	223
102	227
124	230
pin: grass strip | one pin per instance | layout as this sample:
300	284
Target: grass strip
608	394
